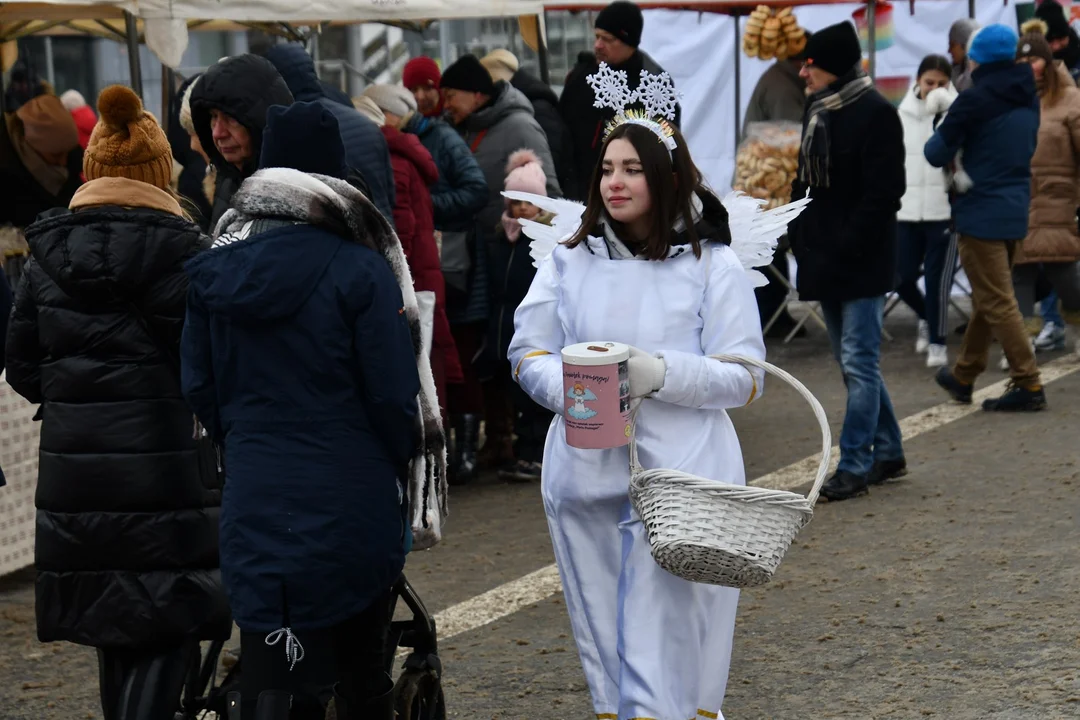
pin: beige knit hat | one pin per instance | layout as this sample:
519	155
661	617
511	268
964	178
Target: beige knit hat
501	64
367	107
127	141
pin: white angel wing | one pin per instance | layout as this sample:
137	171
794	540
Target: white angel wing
563	226
755	232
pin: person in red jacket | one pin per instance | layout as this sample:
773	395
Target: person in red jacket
414	217
81	113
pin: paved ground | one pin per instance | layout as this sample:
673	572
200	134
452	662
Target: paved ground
950	594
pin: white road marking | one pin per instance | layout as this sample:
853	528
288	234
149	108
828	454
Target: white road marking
518	594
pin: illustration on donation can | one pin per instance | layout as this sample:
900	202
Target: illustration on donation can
596	384
581	395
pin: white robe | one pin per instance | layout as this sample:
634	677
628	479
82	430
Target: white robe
653	646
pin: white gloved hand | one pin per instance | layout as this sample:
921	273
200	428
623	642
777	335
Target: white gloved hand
939	100
646	373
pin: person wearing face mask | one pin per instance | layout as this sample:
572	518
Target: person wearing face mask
924	238
654	244
1052	239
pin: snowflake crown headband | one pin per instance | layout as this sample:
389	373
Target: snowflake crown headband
656	92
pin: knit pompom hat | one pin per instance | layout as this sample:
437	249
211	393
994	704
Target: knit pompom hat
525	173
127	142
73	100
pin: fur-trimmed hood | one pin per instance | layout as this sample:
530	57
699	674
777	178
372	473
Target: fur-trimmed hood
275	283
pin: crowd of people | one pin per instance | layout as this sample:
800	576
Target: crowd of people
329	302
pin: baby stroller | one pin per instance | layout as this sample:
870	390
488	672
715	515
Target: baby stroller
418	692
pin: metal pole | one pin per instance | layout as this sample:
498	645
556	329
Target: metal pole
542	50
50	69
971	9
871	30
131	29
738	82
167	82
444	44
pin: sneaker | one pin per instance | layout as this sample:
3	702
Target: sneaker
843	486
937	356
521	471
1017	399
960	392
1052	337
922	343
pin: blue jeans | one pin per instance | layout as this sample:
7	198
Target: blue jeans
871	433
1049	310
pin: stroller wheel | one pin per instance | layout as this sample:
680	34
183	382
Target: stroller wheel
418	696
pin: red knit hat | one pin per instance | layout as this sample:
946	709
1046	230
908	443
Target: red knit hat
421	71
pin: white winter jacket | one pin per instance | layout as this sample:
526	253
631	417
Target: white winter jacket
926	199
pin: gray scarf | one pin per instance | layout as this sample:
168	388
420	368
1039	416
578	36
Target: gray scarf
283	195
815	152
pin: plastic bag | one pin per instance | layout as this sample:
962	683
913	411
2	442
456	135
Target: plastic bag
768	161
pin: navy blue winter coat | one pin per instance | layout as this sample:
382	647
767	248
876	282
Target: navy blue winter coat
365	146
996	124
297	355
460	193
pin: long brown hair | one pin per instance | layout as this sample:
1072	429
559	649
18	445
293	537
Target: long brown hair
672	180
1034	45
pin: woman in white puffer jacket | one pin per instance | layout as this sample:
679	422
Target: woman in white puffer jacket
924	236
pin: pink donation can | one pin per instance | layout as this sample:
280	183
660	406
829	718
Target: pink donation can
596	395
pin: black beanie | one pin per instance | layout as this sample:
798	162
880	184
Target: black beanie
469	75
303	136
1053	15
623	20
834	49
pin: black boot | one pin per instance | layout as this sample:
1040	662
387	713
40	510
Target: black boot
467	429
273	705
232	706
1017	399
453	446
844	485
376	708
885	470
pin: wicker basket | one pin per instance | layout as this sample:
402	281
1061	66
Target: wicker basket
712	532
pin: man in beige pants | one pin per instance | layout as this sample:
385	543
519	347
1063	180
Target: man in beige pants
995	124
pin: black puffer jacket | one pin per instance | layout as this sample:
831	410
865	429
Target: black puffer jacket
243	87
546	111
127	503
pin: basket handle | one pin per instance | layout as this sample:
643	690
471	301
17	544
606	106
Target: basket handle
819	413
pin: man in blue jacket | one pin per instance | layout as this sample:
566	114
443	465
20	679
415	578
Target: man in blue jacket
995	125
365	147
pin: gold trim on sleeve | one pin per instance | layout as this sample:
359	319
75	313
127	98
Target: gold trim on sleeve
517	370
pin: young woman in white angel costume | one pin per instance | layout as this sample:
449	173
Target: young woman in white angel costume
661	264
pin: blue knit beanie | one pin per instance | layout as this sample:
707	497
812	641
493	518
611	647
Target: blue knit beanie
993	43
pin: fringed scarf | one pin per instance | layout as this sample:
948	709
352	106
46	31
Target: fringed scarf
281	194
815	152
